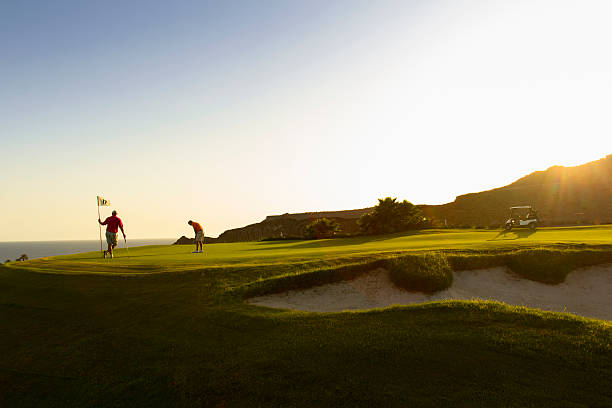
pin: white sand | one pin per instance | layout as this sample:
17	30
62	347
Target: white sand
586	292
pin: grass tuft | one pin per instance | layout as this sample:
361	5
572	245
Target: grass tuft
553	266
546	265
429	272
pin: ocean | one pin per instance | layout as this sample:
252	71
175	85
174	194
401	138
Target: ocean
39	249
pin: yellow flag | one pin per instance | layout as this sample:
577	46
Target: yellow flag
103	201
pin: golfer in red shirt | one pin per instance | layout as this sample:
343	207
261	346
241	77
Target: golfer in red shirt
113	224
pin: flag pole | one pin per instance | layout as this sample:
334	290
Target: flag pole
100	226
126	246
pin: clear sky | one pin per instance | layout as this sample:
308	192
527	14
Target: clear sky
225	112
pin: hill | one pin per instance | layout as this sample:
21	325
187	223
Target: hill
562	195
292	225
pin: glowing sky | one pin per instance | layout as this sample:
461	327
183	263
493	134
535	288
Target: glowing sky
225	112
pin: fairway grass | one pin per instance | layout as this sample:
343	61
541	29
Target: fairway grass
165	327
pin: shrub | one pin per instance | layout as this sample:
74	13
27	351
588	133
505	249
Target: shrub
424	273
322	228
391	216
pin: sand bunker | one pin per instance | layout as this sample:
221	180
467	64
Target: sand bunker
586	292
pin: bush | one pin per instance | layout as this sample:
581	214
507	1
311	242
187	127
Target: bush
322	228
391	216
424	273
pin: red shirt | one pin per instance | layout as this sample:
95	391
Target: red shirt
113	223
196	227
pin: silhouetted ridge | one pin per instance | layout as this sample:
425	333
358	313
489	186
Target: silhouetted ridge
562	195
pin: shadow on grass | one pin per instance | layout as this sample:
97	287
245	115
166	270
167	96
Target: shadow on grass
334	242
506	235
101	258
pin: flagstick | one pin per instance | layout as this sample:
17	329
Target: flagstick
101	250
126	247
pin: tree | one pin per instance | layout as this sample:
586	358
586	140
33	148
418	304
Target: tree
391	216
321	228
22	258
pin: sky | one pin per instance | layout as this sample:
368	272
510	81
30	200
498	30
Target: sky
225	112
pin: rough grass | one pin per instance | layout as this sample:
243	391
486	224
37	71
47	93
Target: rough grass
546	265
425	272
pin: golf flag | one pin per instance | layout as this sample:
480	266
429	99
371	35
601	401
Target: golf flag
103	201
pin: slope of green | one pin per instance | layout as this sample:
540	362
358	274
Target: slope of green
80	335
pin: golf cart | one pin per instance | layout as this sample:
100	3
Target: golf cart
522	216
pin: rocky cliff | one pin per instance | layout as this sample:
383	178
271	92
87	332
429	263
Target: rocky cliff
292	225
191	241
